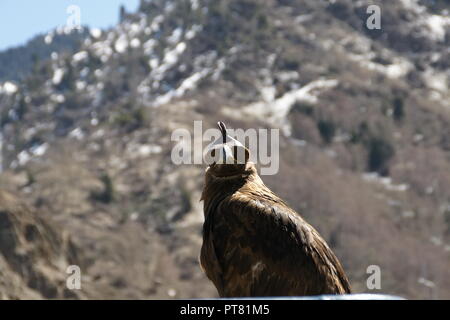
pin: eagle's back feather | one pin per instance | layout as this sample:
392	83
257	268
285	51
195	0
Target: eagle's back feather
255	245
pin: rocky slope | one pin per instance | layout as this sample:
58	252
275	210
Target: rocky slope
34	255
364	116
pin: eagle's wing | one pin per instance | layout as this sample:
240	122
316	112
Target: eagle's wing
208	258
263	248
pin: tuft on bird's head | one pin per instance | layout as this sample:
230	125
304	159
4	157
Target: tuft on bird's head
227	154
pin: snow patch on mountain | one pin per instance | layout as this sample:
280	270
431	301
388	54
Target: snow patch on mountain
275	111
8	88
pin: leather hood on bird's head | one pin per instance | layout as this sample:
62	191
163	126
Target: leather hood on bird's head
226	150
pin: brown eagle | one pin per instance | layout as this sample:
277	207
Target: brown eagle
254	244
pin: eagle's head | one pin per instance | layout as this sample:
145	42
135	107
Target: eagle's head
227	156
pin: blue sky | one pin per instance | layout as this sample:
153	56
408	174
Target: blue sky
20	20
